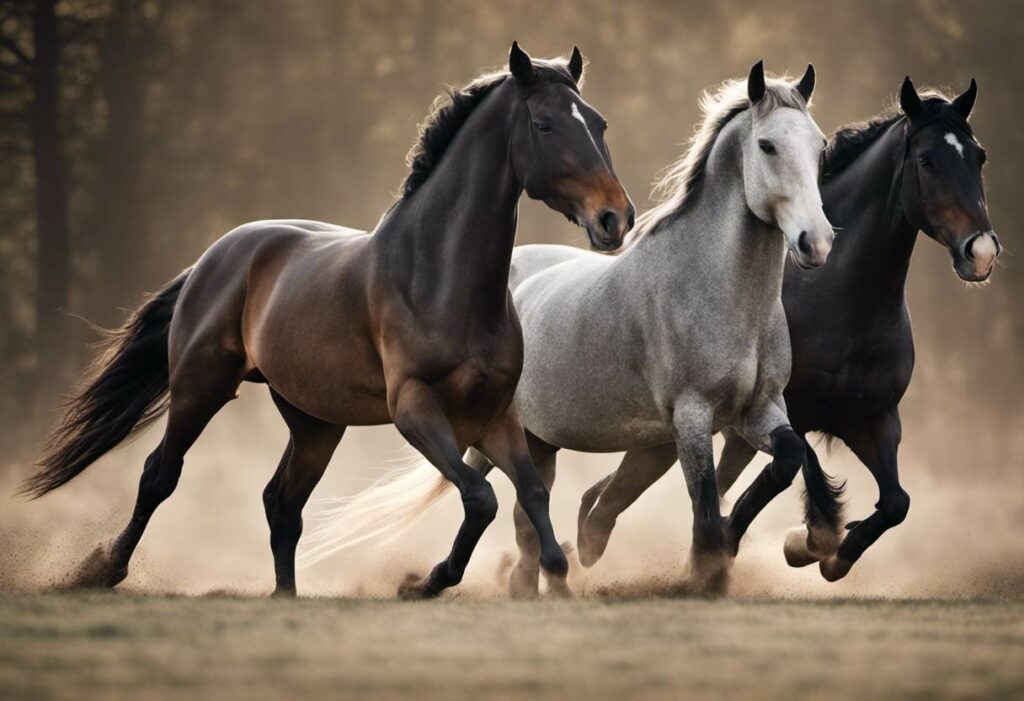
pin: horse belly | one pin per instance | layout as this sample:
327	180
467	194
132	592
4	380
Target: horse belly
310	338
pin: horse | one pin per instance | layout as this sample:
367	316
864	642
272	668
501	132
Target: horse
352	328
916	169
683	335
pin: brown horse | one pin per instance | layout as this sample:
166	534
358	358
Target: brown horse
411	323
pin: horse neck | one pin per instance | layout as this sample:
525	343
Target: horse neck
717	241
871	254
449	243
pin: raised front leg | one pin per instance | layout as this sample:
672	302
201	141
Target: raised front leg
421	420
710	554
509	449
819	537
768	429
875	442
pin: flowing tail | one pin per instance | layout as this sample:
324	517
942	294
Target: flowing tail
383	511
126	391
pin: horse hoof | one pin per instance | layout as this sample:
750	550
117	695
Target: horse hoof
97	571
834	568
413	588
796	550
524	583
558	588
709	575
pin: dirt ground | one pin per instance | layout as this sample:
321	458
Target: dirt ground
129	646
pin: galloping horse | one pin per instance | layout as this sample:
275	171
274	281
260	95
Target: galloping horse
683	335
853	349
411	324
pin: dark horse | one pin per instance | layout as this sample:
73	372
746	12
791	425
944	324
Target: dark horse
349	328
853	350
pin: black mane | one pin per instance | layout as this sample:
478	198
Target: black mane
851	140
451	110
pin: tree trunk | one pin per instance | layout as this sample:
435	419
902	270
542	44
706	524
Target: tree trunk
53	253
124	264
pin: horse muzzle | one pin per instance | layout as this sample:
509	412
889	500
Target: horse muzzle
609	227
811	249
974	260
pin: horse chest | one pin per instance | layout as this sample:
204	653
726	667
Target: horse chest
869	378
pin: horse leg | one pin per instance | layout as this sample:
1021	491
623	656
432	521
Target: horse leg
875	442
788	455
736	455
819	537
420	418
709	554
310	447
514	453
195	396
602	503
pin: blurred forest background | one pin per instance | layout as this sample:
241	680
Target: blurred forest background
133	133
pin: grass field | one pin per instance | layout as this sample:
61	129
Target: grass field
126	646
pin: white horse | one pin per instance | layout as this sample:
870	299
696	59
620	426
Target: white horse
679	337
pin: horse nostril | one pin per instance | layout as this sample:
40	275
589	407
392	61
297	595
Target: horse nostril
968	248
803	244
610	222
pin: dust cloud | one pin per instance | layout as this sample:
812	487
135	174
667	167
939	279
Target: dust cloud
963	537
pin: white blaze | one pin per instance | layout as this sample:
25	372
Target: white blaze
950	139
579	116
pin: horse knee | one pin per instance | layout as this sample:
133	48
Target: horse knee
788	456
480	502
894	507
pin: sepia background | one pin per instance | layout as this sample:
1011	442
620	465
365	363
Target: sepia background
134	133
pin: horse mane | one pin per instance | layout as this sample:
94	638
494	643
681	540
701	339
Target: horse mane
851	140
679	183
451	109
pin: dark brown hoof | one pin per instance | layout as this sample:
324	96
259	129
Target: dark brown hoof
834	568
97	571
411	588
709	574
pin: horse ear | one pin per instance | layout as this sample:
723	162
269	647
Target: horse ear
755	83
520	65
806	85
576	64
964	103
910	101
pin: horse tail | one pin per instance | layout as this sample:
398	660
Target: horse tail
125	392
824	493
384	510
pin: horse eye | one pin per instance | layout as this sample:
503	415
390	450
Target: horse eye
604	126
766	146
925	162
542	125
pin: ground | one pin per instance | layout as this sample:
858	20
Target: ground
130	646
